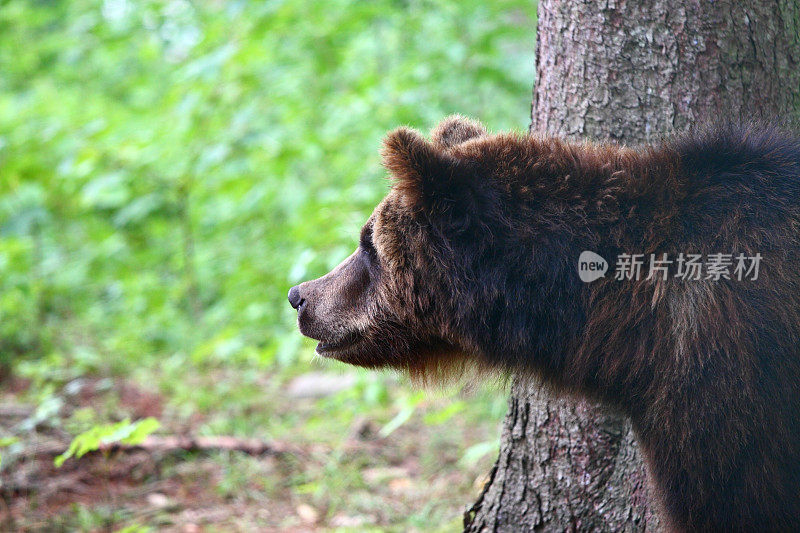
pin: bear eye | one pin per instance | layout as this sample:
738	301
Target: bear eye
365	241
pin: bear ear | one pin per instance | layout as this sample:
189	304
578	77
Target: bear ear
426	175
456	129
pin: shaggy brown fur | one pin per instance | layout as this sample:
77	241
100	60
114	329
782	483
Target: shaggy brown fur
472	259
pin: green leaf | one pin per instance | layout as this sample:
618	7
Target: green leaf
441	416
409	404
399	419
123	432
141	430
474	453
7	441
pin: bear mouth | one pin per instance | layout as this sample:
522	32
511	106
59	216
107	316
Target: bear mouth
328	348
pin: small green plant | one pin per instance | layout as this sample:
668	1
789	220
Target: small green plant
475	452
135	528
123	432
7	441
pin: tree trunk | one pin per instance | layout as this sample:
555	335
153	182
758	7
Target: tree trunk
629	70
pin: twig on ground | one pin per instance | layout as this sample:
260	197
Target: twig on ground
174	443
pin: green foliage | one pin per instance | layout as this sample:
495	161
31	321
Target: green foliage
476	451
123	432
407	407
169	169
7	441
135	528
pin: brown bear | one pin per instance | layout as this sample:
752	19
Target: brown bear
472	259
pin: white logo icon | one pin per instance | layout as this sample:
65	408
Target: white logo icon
591	266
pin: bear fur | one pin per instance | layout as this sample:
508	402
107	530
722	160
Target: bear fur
471	260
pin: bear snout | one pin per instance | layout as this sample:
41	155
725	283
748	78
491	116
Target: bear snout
307	313
295	300
313	315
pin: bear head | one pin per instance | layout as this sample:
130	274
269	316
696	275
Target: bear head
443	272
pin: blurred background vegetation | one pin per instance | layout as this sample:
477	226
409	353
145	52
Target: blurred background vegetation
168	169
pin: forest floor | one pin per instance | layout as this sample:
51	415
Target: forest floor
343	475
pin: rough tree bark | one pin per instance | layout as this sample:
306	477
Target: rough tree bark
628	70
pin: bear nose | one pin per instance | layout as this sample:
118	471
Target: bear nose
294	297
